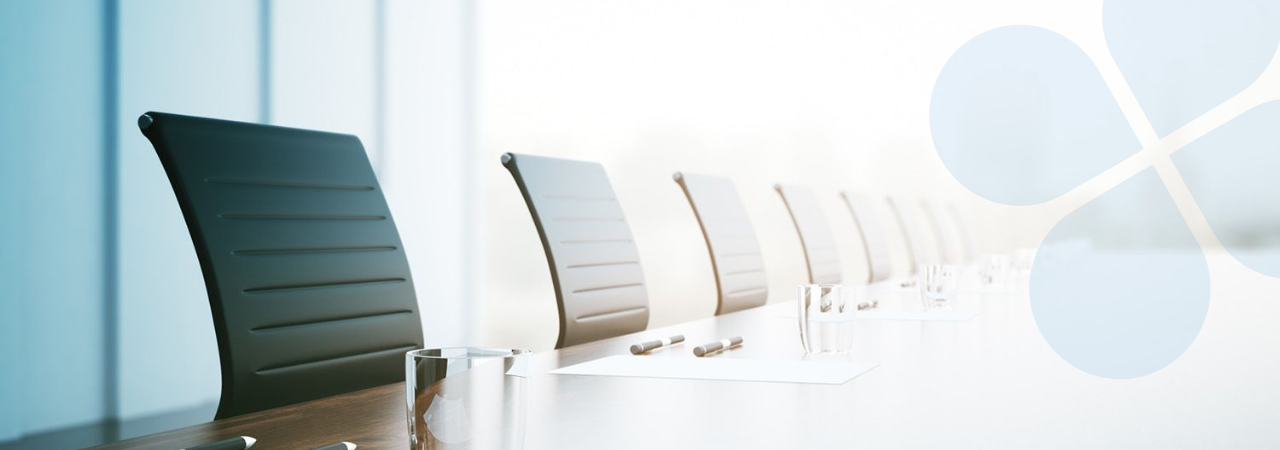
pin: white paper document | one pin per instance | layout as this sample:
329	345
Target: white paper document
992	292
878	314
721	369
925	316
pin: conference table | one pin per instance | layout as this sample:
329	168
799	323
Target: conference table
989	382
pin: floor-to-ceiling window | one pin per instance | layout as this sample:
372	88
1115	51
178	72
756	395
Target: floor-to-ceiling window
104	322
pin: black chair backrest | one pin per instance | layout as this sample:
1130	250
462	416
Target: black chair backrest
308	283
595	267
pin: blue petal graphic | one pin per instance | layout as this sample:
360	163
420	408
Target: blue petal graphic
1121	299
1020	115
1181	58
1232	173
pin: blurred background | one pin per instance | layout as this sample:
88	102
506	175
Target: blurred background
105	330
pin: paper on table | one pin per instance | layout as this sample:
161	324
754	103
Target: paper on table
925	316
790	312
994	292
721	369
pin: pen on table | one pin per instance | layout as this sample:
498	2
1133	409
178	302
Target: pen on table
339	446
646	346
705	349
235	443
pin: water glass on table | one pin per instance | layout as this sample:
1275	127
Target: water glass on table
826	317
1023	258
938	287
466	398
994	271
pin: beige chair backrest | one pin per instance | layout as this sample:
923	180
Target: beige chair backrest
820	252
735	252
921	247
968	252
600	288
871	230
953	240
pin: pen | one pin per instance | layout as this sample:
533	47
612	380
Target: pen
235	443
705	349
646	346
339	446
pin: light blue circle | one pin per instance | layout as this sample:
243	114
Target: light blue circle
1020	115
1182	58
1232	173
1112	297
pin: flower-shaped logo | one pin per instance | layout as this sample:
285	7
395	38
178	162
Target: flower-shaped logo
1020	116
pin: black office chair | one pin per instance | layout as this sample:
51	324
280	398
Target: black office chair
308	283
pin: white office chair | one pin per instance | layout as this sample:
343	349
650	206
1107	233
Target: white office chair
944	231
822	257
921	246
968	247
735	253
871	230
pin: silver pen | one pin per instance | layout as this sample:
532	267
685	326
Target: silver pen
646	346
723	344
235	443
339	446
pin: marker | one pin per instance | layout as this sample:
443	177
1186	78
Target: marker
723	344
339	446
646	346
235	443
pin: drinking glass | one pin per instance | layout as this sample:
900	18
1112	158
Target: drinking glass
826	317
994	271
466	398
1022	259
938	286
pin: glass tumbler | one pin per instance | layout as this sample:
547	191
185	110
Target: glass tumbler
826	317
466	398
994	271
1022	259
938	286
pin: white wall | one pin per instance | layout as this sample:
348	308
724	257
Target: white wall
429	160
323	70
833	94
